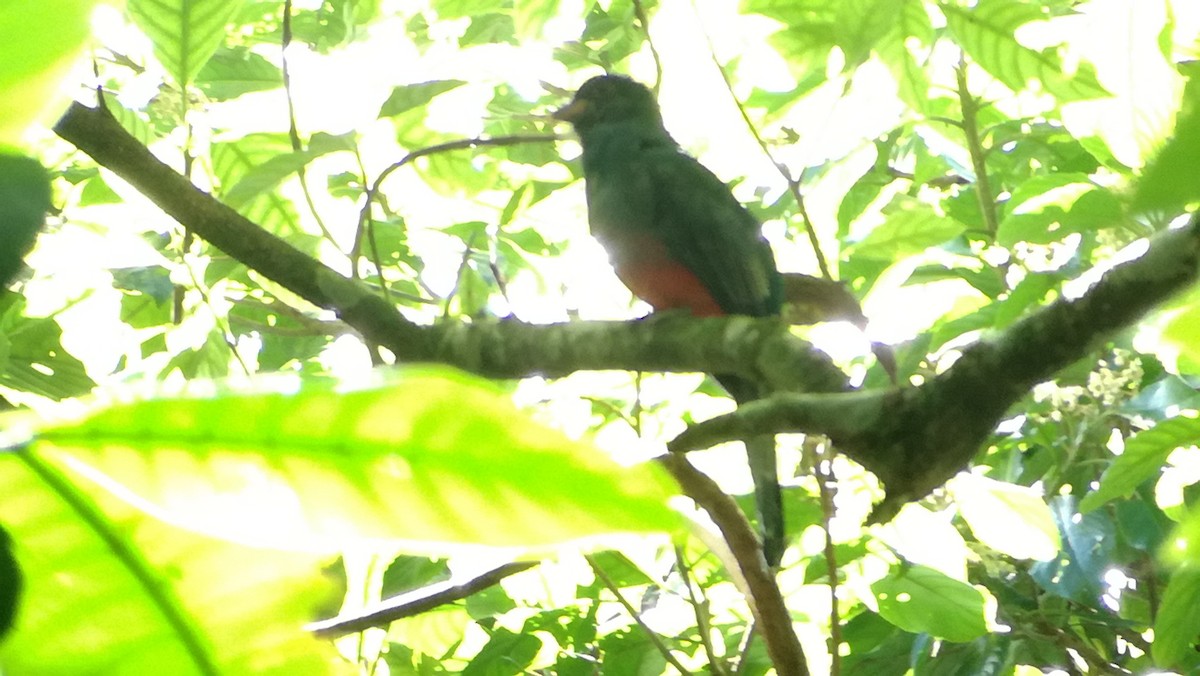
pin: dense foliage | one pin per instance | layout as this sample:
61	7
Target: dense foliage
965	170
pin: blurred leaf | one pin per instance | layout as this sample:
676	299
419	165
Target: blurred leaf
434	457
185	34
110	590
987	32
922	600
1168	184
1175	627
11	584
1013	520
233	161
1143	458
41	41
24	202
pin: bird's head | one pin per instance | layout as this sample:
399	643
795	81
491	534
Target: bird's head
607	99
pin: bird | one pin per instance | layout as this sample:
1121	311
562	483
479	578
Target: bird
678	239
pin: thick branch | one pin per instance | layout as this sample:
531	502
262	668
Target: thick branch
916	439
760	349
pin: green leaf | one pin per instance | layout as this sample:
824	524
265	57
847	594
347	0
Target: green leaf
35	360
1011	519
1169	183
908	230
147	597
1178	617
408	97
234	71
263	177
185	33
234	160
1087	544
24	202
41	40
987	32
860	25
506	654
529	16
1142	460
923	600
429	458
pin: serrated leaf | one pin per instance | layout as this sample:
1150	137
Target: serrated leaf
1142	459
922	600
428	458
185	33
235	71
987	32
408	97
36	361
906	232
1011	519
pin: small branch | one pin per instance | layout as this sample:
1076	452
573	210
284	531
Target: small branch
793	184
700	608
640	11
654	638
827	486
416	602
970	127
766	602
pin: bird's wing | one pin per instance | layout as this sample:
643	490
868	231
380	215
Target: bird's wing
706	229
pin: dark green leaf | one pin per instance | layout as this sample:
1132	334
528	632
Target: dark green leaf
408	97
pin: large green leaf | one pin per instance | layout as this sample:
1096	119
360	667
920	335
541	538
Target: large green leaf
1169	183
1142	459
41	41
185	33
923	600
1013	520
1178	617
987	32
110	590
909	229
429	458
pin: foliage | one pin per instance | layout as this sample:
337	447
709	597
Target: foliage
962	166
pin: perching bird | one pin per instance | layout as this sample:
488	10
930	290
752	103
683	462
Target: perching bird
678	238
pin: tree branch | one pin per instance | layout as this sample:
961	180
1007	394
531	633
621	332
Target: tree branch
916	439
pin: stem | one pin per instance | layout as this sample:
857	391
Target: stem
654	638
970	126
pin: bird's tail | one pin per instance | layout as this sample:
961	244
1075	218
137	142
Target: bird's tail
768	496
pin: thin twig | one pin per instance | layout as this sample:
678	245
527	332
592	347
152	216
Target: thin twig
700	607
644	20
827	486
293	130
970	127
416	602
364	216
792	183
633	613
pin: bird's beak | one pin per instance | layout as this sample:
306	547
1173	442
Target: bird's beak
571	111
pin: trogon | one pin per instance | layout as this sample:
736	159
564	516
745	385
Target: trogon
678	238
